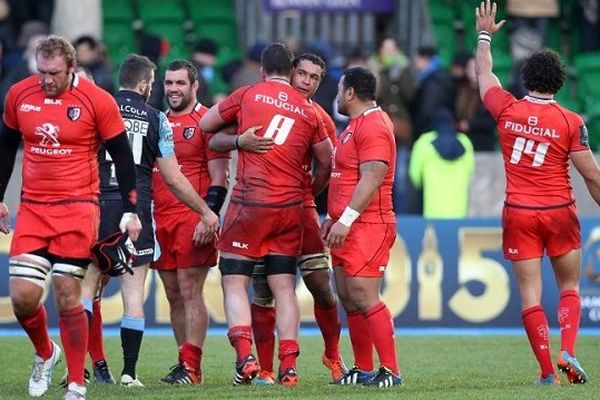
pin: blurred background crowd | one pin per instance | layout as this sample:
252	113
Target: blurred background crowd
420	50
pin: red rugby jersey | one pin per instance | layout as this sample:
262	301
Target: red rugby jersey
61	137
193	155
275	178
368	137
309	199
536	137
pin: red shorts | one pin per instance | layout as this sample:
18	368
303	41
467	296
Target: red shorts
312	243
366	250
526	233
174	233
255	231
67	230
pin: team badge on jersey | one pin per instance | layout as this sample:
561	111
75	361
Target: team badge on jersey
74	113
584	138
189	132
347	137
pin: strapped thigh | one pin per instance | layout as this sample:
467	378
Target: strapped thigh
262	293
312	262
33	267
70	267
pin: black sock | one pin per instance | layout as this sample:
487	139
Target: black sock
131	341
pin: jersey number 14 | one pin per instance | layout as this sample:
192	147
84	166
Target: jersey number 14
528	146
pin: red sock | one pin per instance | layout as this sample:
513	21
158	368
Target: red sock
190	355
536	326
95	342
328	321
288	352
381	327
362	343
74	336
263	327
240	337
569	313
36	326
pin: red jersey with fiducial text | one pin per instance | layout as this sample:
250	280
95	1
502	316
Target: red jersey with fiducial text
309	199
61	137
536	137
193	155
368	137
275	178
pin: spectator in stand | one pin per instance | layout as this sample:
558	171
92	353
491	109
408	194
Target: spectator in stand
471	115
89	55
435	90
532	15
589	17
154	47
249	73
27	67
395	91
204	57
442	164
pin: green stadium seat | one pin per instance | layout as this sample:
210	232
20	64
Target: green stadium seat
152	11
223	33
503	64
592	117
120	40
587	67
118	11
203	10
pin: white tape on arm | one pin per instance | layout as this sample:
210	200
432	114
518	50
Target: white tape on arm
348	216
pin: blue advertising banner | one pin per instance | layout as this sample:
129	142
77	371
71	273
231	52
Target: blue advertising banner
375	6
441	274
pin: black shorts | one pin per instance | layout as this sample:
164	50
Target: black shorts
147	249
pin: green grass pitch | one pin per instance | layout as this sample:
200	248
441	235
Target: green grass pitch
434	367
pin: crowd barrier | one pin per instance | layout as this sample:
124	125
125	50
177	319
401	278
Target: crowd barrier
441	274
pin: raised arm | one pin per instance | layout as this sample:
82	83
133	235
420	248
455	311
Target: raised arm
485	16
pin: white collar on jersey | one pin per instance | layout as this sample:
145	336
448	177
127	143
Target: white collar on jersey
370	110
280	80
539	100
75	80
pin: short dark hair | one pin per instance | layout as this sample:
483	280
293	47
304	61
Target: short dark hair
134	69
543	72
278	59
86	39
362	81
427	51
313	58
176	65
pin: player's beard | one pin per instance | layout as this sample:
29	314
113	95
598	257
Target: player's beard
183	102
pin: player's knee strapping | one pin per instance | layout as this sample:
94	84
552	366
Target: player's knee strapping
31	267
262	293
277	264
70	267
310	263
230	266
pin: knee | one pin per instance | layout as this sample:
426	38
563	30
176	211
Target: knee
67	300
25	302
320	289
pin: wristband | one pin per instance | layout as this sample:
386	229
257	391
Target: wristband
484	36
348	216
215	198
